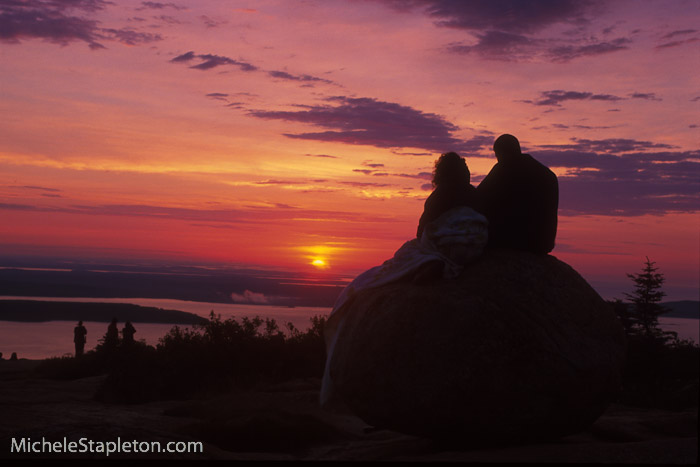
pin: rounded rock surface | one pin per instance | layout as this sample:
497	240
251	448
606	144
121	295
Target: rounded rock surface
519	346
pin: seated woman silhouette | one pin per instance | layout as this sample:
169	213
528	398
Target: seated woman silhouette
451	233
451	189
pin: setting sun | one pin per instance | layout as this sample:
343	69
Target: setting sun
319	263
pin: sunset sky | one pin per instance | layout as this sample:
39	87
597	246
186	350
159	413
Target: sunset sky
301	135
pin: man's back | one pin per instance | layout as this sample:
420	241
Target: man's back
79	334
520	198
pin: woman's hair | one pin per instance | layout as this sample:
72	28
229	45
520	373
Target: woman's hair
450	168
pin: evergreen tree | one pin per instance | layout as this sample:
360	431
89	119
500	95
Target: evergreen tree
646	297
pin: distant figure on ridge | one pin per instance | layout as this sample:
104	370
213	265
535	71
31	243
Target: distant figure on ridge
112	336
520	198
79	338
451	188
128	333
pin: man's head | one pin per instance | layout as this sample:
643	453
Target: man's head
506	147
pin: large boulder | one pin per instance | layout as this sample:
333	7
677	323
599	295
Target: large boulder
519	346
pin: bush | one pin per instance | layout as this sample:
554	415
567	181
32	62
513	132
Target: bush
67	367
660	372
216	356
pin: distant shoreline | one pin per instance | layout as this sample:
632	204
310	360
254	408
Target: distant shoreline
682	309
41	311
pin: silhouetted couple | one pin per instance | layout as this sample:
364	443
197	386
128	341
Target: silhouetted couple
111	339
519	197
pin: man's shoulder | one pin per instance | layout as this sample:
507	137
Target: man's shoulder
535	163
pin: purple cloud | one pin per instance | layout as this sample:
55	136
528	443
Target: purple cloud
301	78
209	61
159	6
419	176
37	188
49	20
612	145
503	15
556	97
363	171
567	53
650	96
186	57
667	45
607	177
56	21
679	33
131	37
508	30
210	22
222	216
366	184
497	45
508	46
325	156
377	123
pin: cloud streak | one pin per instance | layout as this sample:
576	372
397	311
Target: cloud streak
555	97
259	215
611	177
63	22
502	15
159	6
300	78
566	53
209	61
367	121
513	30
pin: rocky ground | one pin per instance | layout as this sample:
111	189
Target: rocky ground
284	422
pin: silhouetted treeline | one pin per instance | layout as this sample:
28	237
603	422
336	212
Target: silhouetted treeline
661	370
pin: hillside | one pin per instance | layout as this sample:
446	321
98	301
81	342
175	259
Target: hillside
37	311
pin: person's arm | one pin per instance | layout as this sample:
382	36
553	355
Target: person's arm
487	191
425	218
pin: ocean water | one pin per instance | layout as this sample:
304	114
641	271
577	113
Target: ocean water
55	338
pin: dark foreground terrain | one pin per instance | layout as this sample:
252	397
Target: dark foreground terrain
283	422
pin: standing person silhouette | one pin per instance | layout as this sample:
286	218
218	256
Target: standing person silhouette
79	338
128	333
112	336
520	199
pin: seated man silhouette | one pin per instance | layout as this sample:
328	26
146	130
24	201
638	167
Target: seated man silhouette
520	198
451	189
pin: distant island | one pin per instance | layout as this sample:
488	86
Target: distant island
38	311
682	309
